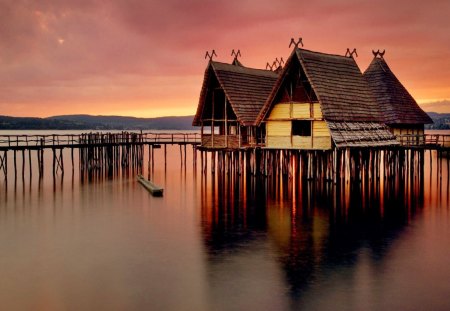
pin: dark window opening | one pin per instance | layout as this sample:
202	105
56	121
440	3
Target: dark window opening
301	128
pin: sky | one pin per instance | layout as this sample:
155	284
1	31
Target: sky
146	58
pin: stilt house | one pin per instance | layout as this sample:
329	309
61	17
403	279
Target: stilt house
400	111
231	98
321	101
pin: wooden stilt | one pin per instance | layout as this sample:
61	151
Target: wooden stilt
15	164
23	164
29	163
4	164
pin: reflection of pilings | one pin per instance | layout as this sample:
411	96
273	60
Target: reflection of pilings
313	225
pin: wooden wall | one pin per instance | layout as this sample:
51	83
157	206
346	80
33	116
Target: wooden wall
403	131
409	135
279	127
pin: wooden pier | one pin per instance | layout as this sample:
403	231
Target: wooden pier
109	152
97	151
335	165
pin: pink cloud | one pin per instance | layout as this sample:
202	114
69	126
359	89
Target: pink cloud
78	53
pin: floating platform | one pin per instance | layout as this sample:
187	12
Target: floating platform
151	187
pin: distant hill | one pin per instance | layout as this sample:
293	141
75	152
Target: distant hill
89	122
441	121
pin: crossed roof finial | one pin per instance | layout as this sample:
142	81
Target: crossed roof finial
300	41
378	53
351	53
236	54
277	63
280	62
269	66
210	55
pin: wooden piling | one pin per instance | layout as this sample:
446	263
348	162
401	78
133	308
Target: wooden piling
15	164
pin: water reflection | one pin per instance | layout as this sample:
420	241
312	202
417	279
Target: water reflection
233	209
224	241
312	229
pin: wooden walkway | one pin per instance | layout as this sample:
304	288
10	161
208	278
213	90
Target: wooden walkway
58	141
97	151
100	152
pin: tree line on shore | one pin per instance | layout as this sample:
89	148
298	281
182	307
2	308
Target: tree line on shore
89	122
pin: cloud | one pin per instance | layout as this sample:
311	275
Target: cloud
442	106
56	51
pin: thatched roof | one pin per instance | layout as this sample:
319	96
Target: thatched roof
246	89
398	106
338	85
361	134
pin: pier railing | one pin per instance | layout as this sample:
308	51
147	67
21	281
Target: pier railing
75	140
430	140
81	140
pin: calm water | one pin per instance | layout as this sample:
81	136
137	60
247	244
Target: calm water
223	242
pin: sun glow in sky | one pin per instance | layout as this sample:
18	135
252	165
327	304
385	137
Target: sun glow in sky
145	58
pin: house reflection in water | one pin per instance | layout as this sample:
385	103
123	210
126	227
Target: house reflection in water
288	237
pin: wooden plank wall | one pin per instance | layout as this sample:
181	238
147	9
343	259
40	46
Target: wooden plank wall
279	127
219	141
417	135
402	131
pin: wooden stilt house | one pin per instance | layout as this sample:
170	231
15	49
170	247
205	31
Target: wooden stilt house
231	97
400	111
320	101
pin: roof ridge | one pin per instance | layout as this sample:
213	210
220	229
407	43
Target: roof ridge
241	67
323	53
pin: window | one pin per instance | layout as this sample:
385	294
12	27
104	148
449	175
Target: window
301	128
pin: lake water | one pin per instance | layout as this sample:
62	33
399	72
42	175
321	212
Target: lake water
221	242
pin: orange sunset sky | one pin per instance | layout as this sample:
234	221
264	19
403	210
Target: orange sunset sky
146	58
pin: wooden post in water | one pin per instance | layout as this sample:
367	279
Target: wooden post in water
153	160
61	160
38	153
448	169
15	165
29	162
334	170
241	162
194	156
213	162
201	160
23	164
54	161
165	157
431	163
4	164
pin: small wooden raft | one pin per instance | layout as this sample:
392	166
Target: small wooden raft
151	187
